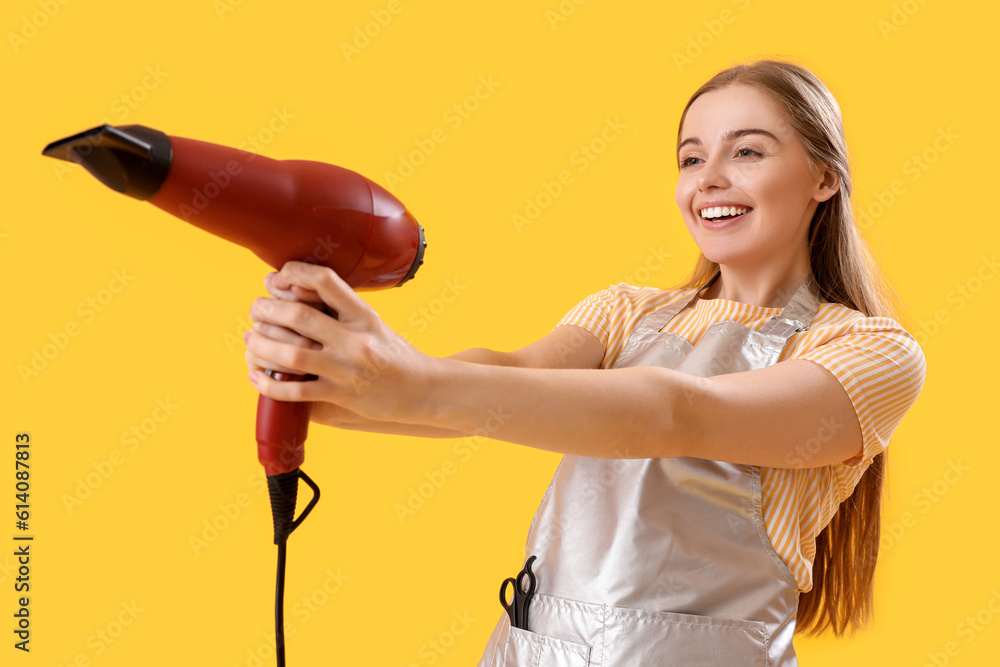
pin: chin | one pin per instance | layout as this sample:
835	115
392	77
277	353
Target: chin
724	253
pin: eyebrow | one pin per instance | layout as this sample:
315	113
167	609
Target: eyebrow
729	136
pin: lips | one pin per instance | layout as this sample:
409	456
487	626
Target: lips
723	222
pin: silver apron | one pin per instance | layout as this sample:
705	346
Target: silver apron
661	561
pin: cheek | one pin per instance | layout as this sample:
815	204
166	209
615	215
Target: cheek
775	191
683	196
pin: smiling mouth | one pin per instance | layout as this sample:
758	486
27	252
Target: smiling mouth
725	218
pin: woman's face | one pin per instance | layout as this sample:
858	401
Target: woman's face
723	164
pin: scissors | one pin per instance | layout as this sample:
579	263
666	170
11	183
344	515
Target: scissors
517	608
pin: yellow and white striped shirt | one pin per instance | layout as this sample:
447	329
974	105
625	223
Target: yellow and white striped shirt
879	363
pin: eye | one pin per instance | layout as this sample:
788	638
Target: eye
740	152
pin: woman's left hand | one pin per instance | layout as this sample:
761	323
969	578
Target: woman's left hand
360	362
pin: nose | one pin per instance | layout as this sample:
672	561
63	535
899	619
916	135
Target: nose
712	173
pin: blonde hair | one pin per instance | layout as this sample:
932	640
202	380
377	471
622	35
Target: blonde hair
846	272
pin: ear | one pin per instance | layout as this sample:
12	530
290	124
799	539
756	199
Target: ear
828	187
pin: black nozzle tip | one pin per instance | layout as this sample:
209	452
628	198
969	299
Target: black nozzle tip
130	159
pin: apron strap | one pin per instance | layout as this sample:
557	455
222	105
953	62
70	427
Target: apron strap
797	314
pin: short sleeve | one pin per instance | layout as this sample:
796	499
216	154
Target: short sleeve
594	314
882	368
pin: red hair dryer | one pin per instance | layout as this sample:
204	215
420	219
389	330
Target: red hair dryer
282	210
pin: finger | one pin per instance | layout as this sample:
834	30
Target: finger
284	357
283	390
269	285
302	319
283	335
255	363
331	288
294	294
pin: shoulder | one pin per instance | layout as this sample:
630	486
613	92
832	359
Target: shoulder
623	296
846	336
879	363
620	304
837	325
613	311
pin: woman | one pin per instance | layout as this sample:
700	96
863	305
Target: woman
698	516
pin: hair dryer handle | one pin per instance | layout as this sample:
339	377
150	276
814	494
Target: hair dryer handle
282	427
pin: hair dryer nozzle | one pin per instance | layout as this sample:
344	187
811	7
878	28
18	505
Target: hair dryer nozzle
130	159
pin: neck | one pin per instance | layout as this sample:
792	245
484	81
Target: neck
768	288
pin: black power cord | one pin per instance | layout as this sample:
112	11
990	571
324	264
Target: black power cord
283	490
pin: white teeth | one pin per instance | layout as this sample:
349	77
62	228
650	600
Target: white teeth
720	211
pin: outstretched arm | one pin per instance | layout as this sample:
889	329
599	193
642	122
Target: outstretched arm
789	415
330	414
758	417
559	348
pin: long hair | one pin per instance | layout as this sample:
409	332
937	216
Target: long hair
846	272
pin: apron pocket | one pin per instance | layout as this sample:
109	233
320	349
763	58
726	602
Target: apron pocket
636	637
529	649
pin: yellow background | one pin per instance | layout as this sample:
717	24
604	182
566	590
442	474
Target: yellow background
903	73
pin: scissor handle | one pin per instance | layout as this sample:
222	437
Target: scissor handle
517	608
512	607
525	593
526	572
